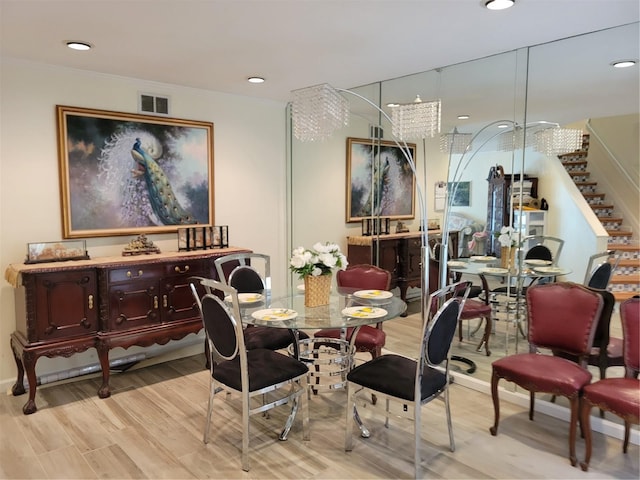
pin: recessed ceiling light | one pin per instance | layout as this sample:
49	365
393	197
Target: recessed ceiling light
623	63
463	117
503	125
499	4
79	45
393	105
255	80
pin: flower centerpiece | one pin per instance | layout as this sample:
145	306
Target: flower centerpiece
507	239
315	267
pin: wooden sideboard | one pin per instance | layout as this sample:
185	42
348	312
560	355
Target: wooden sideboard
399	253
64	308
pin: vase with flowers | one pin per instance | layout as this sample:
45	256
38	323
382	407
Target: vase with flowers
315	266
507	239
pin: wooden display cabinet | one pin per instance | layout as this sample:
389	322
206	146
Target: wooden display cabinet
66	308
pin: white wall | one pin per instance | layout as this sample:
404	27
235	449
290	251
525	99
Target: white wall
249	169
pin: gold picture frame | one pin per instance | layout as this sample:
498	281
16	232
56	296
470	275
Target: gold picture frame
367	158
123	173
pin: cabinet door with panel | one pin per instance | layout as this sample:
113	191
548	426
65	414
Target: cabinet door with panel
131	296
177	299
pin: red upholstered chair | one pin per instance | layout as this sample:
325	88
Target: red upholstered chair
617	395
562	317
366	277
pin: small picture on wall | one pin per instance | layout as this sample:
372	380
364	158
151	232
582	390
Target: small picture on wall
459	194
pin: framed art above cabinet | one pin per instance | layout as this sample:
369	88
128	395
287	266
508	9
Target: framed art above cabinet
123	173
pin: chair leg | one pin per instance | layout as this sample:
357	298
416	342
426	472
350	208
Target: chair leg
304	403
485	338
585	423
207	425
460	330
417	423
496	403
452	443
627	428
245	431
575	407
532	404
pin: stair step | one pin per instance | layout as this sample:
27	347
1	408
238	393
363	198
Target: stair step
612	225
579	176
577	155
622	296
629	263
626	279
620	233
610	219
575	166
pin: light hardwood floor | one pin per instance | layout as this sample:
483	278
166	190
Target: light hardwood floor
151	427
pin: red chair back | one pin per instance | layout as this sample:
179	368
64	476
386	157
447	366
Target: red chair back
563	316
364	276
630	318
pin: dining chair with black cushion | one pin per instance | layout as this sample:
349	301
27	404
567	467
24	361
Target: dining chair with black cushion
242	271
562	317
369	339
600	269
620	396
274	378
405	384
475	306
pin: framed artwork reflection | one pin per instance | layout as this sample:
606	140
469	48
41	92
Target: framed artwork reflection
460	195
379	180
123	174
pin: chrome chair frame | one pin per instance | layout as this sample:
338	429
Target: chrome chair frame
601	268
243	259
293	394
411	409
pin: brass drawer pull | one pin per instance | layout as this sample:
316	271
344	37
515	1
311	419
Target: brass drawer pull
155	302
129	274
90	302
178	270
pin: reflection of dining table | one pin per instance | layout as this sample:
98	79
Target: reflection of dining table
347	308
489	266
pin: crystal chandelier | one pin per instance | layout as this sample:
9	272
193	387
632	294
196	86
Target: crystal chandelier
317	112
456	142
416	120
550	140
556	141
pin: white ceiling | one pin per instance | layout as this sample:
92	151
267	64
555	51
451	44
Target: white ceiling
217	44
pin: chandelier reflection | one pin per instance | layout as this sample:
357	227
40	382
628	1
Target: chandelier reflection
545	137
456	142
317	112
417	120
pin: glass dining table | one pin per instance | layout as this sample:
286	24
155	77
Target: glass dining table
347	308
514	279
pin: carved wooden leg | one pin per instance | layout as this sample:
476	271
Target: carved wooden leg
496	403
29	362
585	423
103	355
18	387
575	407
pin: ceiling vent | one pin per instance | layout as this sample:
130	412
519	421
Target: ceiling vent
153	104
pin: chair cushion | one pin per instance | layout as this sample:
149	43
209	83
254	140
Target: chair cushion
617	395
543	373
395	375
474	309
267	337
265	367
368	338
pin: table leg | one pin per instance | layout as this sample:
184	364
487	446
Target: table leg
294	408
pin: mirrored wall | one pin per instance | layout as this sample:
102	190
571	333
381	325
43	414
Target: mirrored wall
569	83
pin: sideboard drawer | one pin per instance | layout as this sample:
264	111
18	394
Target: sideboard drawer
136	272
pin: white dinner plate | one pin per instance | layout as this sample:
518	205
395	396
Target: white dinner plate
375	294
554	270
482	258
499	271
456	264
364	312
275	314
537	261
246	298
